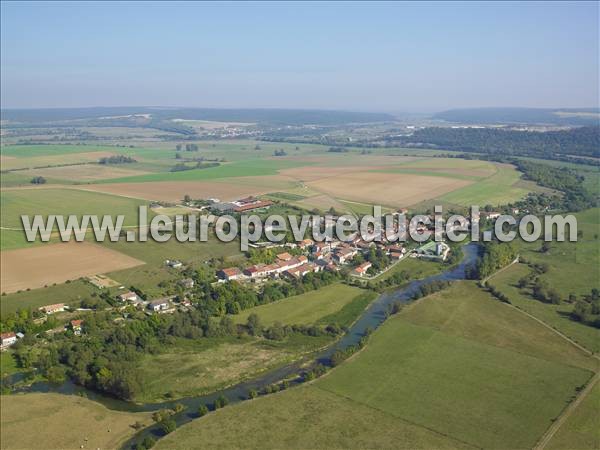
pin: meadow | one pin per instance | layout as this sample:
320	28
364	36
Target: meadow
54	421
582	428
63	202
302	418
304	309
456	369
463	386
572	268
192	367
499	188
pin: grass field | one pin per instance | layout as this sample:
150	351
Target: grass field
31	151
305	418
461	379
582	429
306	308
59	202
417	268
69	293
554	315
8	364
55	421
254	167
572	269
456	369
494	190
193	367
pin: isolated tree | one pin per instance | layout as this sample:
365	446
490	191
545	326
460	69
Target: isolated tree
38	180
168	425
253	324
202	410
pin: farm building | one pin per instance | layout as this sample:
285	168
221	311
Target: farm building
161	304
362	269
51	309
129	297
285	256
76	326
229	274
7	339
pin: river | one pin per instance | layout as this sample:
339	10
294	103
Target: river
373	316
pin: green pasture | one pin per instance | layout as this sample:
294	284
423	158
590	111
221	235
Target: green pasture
63	202
494	190
459	383
306	308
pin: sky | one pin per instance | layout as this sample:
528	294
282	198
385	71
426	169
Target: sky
389	57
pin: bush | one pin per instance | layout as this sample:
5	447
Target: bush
221	401
202	410
168	425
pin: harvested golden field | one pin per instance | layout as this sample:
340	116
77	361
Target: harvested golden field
387	188
56	263
89	172
55	421
174	191
312	173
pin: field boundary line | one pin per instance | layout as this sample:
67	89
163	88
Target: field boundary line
566	413
554	330
401	419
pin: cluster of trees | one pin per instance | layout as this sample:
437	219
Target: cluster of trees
180	167
576	196
341	355
338	150
584	141
24	321
494	256
431	288
38	180
116	159
280	152
587	310
188	147
376	256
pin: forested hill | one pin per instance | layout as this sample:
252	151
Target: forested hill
578	142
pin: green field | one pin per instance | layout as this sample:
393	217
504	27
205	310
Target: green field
494	190
31	151
418	268
305	418
63	202
250	168
68	293
53	421
572	269
556	316
462	380
192	367
456	369
306	308
582	429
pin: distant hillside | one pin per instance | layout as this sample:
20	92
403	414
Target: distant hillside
266	116
513	116
578	142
